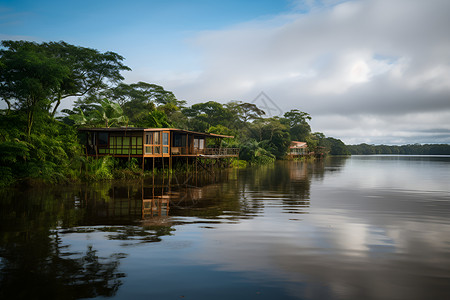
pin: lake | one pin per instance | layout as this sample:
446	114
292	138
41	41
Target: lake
365	227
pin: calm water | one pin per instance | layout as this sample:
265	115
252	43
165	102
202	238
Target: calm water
365	227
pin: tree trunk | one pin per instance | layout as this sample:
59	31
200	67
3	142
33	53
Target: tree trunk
58	102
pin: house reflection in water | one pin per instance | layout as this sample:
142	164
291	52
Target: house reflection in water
148	200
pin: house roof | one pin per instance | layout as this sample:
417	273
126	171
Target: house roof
137	129
296	144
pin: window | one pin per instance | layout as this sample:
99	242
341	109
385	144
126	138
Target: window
196	143
165	149
156	140
165	138
177	140
149	138
148	150
103	138
202	144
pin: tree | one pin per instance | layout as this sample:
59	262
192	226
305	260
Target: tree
141	92
244	112
272	135
205	115
156	119
91	70
105	113
28	78
36	76
298	124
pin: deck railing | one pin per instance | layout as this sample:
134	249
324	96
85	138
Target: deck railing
207	151
222	151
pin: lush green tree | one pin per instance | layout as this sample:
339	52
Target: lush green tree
105	113
297	121
28	78
271	133
204	115
90	70
155	119
108	113
38	76
141	92
243	113
254	153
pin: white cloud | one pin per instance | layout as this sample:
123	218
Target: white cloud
384	59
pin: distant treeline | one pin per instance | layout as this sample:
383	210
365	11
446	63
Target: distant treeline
414	149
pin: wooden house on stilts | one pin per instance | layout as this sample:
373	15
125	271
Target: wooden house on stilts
162	146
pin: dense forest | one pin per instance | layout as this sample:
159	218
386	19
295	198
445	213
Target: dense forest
415	149
39	141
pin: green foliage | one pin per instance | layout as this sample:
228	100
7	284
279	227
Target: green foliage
320	144
105	113
47	154
204	115
36	76
99	169
253	153
155	119
297	122
272	134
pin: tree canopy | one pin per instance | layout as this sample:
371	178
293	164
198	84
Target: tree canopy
38	76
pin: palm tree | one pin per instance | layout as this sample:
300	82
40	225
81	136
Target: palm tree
104	113
108	113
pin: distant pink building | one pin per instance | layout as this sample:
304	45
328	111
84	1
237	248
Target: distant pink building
298	149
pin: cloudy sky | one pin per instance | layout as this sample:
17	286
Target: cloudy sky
374	71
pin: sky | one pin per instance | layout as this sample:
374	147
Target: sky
367	71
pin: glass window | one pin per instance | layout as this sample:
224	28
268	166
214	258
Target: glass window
156	138
165	149
165	138
177	140
195	143
148	150
157	150
202	144
149	138
103	138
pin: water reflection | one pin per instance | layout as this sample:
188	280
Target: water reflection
336	229
37	264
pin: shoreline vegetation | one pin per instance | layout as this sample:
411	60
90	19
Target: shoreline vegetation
39	143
